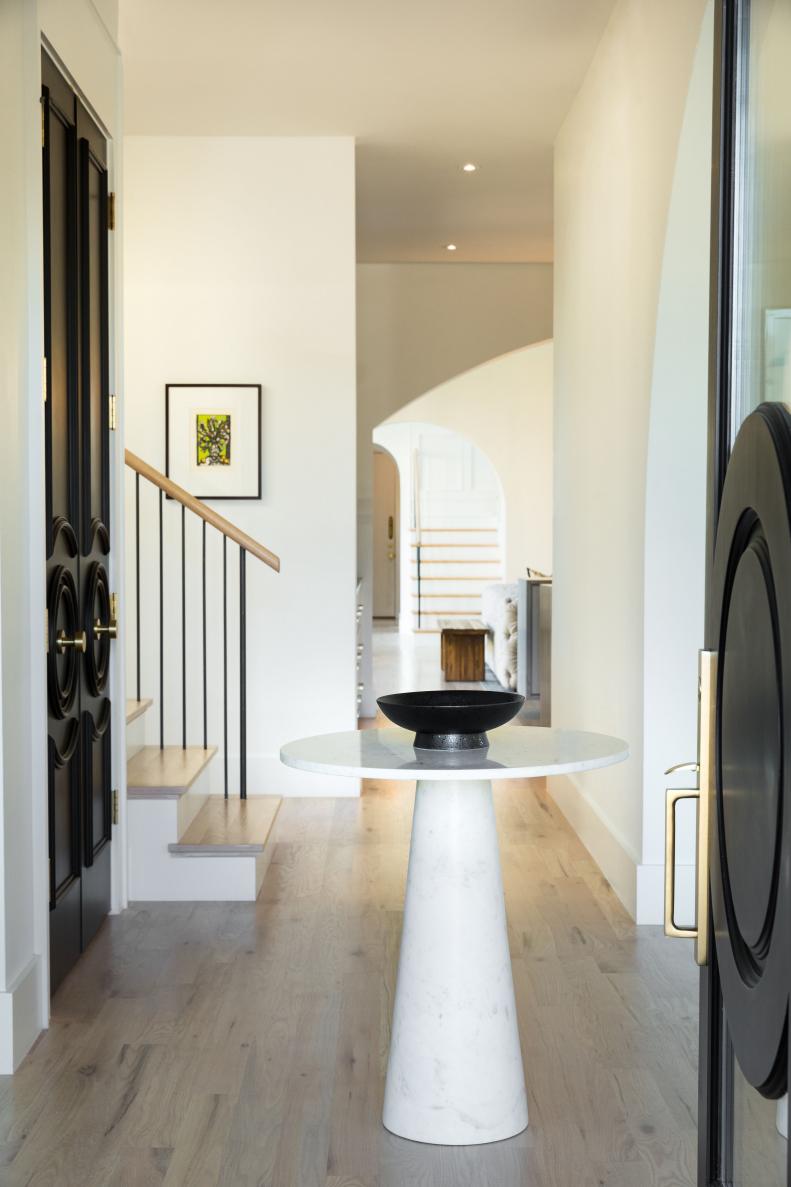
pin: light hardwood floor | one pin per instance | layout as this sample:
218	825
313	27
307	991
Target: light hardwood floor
245	1044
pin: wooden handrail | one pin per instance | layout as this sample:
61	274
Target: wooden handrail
206	513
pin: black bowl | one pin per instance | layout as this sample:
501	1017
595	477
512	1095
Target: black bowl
451	719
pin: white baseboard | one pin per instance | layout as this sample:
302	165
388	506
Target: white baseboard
21	1016
641	888
611	855
651	894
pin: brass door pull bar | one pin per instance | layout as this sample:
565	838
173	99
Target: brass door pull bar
111	629
707	704
79	642
673	795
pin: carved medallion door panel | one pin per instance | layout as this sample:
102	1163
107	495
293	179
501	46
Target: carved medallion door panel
79	603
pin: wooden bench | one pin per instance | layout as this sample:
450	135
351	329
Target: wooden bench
462	645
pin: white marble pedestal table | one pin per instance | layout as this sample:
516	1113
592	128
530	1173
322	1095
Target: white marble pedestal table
454	1074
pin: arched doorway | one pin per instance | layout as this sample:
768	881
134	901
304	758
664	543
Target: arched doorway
452	523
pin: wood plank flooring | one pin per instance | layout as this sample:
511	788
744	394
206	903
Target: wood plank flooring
244	1045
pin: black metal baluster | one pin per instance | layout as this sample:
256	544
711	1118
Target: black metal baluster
137	575
242	676
225	660
183	632
205	725
161	629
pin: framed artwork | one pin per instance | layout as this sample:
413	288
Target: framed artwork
213	439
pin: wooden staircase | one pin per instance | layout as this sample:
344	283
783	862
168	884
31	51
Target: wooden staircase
190	840
172	815
449	570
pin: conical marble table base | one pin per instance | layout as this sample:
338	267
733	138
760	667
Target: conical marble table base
454	1073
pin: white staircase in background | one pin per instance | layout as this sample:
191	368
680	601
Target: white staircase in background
456	564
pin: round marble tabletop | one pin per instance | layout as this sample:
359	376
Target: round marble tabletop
514	752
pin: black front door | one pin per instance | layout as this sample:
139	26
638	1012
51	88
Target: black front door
77	525
746	977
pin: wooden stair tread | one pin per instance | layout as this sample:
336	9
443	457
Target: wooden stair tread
445	613
446	595
165	774
465	626
135	709
231	826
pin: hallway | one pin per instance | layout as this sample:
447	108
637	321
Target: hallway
244	1045
409	661
404	661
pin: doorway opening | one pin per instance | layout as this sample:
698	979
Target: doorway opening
451	572
386	535
452	522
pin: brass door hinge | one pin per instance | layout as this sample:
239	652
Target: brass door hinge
111	212
116	805
113	414
44	377
114	607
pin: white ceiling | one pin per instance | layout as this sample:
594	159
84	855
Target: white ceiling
424	85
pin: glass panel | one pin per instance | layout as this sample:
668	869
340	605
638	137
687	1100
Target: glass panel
761	341
759	1150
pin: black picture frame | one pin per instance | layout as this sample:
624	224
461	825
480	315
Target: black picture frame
252	387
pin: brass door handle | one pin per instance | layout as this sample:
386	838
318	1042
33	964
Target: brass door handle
707	713
111	629
683	766
79	642
673	795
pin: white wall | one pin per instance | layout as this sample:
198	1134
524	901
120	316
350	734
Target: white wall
631	275
675	501
504	407
419	325
240	268
85	46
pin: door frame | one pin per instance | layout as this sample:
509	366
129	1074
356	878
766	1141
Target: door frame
377	448
116	565
716	1056
721	262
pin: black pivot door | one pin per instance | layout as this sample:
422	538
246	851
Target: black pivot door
77	528
746	981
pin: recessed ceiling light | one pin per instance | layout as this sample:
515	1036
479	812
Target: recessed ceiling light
469	167
450	247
